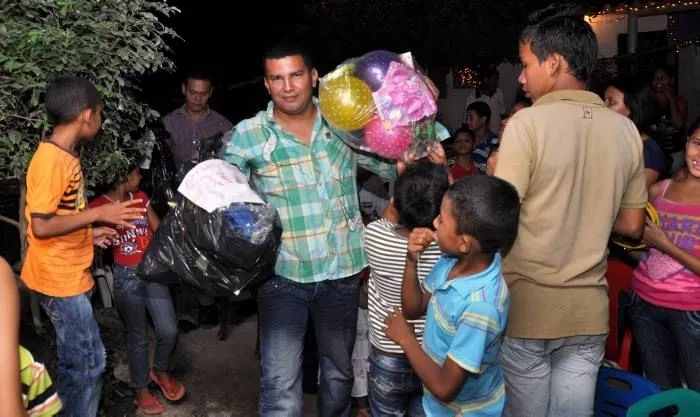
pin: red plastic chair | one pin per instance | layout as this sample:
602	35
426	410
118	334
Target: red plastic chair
618	349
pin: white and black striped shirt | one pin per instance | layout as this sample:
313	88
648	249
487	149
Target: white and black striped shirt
386	251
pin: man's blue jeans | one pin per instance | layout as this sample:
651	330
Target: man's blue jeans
284	307
81	355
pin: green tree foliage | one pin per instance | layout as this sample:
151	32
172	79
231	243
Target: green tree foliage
111	42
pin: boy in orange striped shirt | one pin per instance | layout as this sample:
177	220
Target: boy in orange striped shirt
60	241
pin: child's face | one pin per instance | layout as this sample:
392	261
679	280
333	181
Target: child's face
463	143
92	122
446	229
474	122
692	153
133	180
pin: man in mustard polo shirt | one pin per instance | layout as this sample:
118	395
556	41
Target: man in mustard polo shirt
579	171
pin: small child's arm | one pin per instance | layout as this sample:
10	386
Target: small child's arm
475	332
445	381
49	225
414	302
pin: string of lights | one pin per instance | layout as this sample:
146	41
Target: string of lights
651	7
466	77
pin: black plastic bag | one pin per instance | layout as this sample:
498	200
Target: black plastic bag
222	252
159	181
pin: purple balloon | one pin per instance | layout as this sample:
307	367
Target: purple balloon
373	66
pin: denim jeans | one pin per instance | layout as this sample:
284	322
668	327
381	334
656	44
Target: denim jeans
551	378
81	355
284	307
134	298
394	389
668	341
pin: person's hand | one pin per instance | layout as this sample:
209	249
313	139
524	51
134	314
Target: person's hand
407	160
655	237
104	237
121	213
397	328
419	239
436	154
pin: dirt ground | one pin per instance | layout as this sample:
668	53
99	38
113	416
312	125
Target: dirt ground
221	376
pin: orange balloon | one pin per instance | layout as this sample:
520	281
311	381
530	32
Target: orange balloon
346	103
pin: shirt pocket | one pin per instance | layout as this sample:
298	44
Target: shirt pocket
289	167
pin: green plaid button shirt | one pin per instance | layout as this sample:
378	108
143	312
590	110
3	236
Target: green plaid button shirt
314	190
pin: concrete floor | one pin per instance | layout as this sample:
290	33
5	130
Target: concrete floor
221	376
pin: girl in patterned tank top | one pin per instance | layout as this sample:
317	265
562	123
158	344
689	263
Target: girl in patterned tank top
665	305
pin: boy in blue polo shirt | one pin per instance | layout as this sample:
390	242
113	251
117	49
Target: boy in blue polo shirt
465	297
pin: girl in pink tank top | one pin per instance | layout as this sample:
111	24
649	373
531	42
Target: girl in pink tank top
665	307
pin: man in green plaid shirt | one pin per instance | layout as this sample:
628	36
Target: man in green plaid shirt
300	165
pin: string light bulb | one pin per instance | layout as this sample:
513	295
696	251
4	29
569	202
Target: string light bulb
466	78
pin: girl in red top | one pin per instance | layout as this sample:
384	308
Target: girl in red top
463	146
134	297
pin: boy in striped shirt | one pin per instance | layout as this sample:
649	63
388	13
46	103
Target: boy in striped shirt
394	389
466	299
38	393
27	390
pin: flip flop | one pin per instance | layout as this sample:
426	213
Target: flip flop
172	390
151	406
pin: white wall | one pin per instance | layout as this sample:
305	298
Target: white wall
607	28
452	107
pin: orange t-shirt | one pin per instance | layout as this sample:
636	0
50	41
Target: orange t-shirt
58	266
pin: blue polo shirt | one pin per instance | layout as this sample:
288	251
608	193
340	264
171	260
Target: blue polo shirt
480	154
465	321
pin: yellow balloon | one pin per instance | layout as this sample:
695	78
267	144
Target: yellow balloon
346	103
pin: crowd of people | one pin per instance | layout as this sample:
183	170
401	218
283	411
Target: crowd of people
486	293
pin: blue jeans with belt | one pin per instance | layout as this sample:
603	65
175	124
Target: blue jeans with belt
134	298
81	355
284	307
394	388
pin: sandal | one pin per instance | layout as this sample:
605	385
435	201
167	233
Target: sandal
172	390
151	406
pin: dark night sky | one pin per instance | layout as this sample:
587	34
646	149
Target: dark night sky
221	37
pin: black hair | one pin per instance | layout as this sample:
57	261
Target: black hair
135	160
463	130
197	74
68	96
481	109
561	29
668	69
418	193
494	149
489	72
285	49
629	91
486	208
